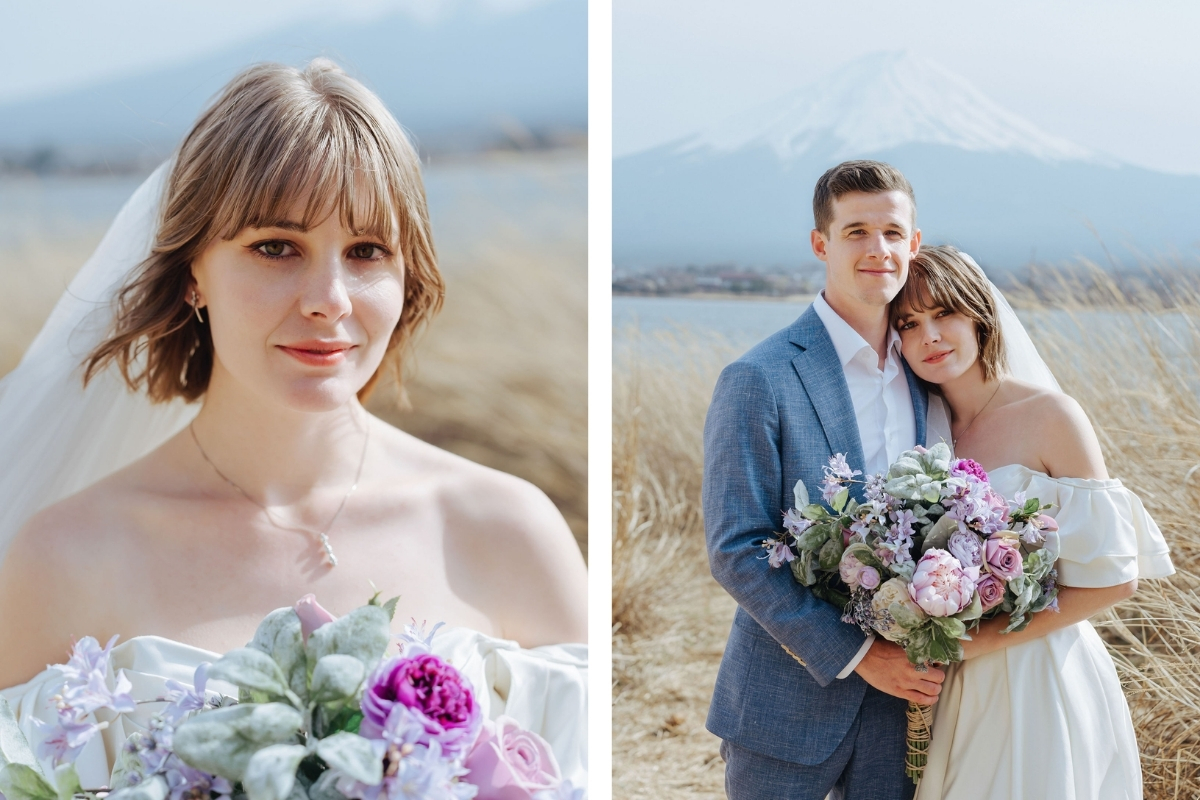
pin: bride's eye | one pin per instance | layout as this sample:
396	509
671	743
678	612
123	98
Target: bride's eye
367	251
273	249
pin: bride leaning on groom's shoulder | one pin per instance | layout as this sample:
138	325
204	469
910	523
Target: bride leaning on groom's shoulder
909	346
185	449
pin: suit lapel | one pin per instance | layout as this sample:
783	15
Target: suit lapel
820	370
920	401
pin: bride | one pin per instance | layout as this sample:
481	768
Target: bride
219	463
1039	713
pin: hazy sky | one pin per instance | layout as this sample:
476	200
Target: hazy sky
45	46
1119	77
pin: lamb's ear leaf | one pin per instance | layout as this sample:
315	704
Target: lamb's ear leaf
271	772
14	747
23	782
390	607
153	789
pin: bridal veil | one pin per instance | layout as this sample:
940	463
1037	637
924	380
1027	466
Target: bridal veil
56	437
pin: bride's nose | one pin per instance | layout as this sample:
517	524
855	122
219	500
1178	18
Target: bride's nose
325	293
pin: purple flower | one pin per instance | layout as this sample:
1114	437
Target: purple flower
830	487
413	772
189	783
939	585
183	699
511	763
868	578
795	523
434	691
965	466
415	640
86	687
904	520
966	547
873	490
991	591
839	467
65	739
1003	558
779	553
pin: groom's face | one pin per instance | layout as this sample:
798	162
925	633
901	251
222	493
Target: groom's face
867	247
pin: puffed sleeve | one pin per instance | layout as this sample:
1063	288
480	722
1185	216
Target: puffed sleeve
1106	535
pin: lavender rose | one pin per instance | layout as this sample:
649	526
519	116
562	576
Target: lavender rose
434	691
939	584
1003	558
868	578
510	763
848	568
991	591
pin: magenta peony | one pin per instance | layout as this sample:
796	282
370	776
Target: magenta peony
991	591
965	466
939	584
1003	558
510	763
436	693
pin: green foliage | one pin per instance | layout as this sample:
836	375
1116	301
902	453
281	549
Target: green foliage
271	772
279	636
23	782
154	789
352	755
831	553
336	678
363	633
253	671
224	740
14	749
66	780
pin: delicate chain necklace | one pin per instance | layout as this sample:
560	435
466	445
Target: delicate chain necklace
322	536
955	440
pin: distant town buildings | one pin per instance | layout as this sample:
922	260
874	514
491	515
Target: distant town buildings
720	279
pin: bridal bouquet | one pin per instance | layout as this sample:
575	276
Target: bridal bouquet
322	714
931	551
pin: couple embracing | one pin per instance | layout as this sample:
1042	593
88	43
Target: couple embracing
910	346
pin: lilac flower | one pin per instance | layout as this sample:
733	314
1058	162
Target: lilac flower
66	738
795	523
830	487
412	772
873	490
840	468
904	520
778	553
184	700
86	687
189	783
1032	535
415	640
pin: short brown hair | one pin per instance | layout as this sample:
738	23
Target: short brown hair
945	277
274	136
871	177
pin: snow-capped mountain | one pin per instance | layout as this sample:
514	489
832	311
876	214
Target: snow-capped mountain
986	178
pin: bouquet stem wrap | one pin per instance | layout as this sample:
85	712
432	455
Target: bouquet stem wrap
920	725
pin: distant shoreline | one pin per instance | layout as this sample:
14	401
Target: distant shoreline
745	296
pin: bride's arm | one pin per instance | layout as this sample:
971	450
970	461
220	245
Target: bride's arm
1075	604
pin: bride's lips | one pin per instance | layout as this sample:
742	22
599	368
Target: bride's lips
318	353
937	358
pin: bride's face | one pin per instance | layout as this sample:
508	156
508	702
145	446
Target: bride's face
939	344
301	317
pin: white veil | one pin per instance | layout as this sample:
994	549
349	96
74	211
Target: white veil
55	436
1024	362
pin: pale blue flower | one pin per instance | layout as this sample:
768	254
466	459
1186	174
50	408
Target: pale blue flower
185	699
65	739
189	783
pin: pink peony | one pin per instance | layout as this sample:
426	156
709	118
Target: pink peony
311	615
510	763
966	547
965	466
991	591
939	584
848	568
1003	558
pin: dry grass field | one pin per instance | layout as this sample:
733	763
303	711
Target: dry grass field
501	375
1130	354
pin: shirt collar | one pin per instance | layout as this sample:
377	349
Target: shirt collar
846	341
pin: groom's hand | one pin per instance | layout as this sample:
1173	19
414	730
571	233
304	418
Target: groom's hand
887	668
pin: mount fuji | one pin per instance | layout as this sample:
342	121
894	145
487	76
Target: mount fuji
986	179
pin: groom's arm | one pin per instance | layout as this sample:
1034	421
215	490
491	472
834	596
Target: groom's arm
743	504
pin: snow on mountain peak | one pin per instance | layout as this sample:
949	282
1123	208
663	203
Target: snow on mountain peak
881	101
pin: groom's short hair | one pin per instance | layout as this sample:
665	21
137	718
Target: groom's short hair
871	177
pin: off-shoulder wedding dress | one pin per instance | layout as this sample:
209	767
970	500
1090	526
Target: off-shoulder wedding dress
543	688
1046	719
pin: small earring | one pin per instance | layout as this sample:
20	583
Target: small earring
195	300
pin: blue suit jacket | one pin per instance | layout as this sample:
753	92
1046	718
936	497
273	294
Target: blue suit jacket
778	413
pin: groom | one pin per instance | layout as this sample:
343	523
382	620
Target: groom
806	704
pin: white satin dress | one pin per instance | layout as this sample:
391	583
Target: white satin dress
1047	719
543	688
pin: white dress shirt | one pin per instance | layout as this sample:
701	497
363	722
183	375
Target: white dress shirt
887	425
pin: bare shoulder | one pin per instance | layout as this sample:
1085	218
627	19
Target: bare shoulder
510	540
1067	442
45	578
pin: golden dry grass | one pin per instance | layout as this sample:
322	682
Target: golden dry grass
1130	353
501	375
